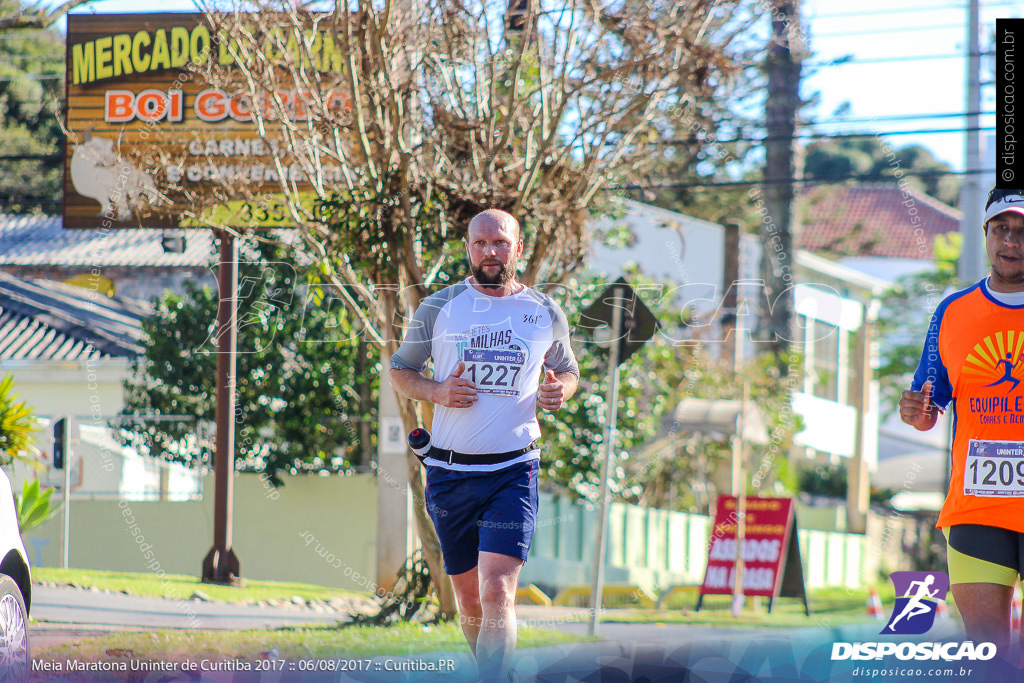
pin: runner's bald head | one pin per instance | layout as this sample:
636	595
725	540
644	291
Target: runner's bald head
496	218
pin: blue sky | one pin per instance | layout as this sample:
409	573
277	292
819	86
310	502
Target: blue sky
888	77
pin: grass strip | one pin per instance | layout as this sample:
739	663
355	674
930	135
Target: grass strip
319	642
179	586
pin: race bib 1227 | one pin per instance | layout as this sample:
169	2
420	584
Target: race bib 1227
494	371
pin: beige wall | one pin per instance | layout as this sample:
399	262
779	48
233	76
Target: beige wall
315	529
84	389
658	548
323	530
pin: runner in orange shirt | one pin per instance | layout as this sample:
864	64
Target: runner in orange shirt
973	358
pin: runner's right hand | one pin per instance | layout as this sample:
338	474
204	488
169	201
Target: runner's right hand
455	392
917	409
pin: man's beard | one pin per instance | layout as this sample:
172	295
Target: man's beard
500	279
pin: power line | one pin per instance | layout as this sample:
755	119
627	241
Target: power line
902	29
732	121
50	57
843	61
802	136
37	77
797	181
901	117
831	136
894	10
22	33
31	157
908	10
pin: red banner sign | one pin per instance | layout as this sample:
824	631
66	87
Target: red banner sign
768	529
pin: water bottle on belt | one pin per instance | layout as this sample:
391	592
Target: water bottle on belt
419	442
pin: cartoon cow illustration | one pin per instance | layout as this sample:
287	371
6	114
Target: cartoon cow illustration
97	171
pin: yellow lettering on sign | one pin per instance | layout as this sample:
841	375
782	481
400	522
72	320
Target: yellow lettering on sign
140	59
270	47
126	54
224	57
103	67
161	53
291	48
83	63
330	55
314	49
122	54
199	44
179	46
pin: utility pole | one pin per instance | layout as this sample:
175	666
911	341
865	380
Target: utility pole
971	266
783	67
858	488
221	564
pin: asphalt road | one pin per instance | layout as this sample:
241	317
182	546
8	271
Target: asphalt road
62	614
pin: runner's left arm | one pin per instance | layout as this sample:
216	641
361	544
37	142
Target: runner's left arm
561	361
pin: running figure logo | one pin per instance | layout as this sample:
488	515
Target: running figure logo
997	360
918	595
1008	369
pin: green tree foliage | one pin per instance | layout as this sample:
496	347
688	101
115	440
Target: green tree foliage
574	443
841	158
457	107
831	481
307	385
16	424
906	310
31	94
33	505
690	474
656	465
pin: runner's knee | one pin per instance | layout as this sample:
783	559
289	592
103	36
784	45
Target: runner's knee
469	604
497	592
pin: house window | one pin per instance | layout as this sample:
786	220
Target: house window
826	360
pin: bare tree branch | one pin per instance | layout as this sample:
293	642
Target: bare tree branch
446	111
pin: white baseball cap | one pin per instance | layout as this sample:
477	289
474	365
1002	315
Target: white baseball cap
1013	200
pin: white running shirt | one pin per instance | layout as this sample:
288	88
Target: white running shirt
506	343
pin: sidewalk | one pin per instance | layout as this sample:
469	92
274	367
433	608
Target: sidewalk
679	653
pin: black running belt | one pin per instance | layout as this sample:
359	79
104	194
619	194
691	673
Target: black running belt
455	458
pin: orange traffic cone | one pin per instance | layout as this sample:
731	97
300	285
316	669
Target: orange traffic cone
874	604
1015	608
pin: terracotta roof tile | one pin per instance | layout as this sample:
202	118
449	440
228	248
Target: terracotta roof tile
876	219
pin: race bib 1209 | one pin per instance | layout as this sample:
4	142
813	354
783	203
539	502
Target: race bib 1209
494	371
994	468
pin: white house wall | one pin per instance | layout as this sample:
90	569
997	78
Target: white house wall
69	388
687	255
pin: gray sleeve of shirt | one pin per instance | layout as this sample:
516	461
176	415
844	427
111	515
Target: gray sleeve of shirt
415	350
559	357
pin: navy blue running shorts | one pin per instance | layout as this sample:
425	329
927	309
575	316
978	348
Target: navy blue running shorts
493	512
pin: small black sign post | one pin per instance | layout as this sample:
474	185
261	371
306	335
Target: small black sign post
622	321
62	461
637	323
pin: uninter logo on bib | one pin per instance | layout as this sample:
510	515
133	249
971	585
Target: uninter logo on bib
918	595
